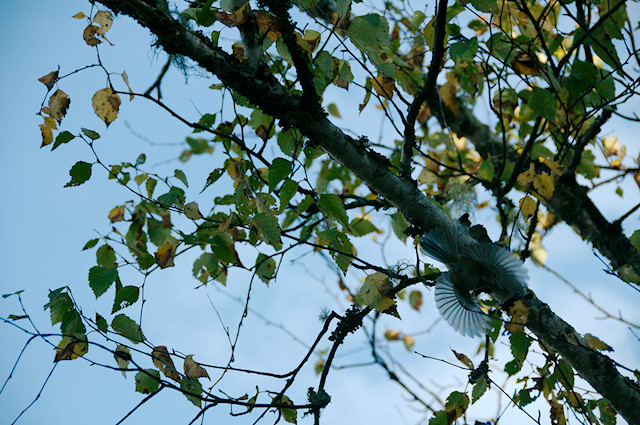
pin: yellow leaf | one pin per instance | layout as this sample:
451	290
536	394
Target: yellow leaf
527	206
164	255
105	19
555	167
193	369
79	15
543	183
595	343
383	86
409	341
122	357
116	214
526	177
611	145
392	335
519	317
89	35
125	77
106	105
47	132
162	360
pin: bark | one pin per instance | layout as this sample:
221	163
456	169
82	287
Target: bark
263	90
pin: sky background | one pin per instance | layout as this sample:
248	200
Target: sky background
45	225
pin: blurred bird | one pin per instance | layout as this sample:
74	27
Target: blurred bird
472	268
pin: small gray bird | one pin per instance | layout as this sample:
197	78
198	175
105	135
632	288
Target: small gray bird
472	266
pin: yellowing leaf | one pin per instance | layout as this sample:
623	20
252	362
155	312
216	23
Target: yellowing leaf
106	104
555	167
312	38
448	96
162	360
58	104
375	293
543	183
233	19
192	369
71	348
289	415
164	255
116	214
332	108
122	357
191	211
527	206
267	24
79	15
105	19
49	79
415	300
596	344
383	86
464	359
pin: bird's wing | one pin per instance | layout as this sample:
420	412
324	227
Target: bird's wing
460	309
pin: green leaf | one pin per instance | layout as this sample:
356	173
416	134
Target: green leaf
279	169
635	239
268	227
457	403
101	278
361	227
141	159
543	102
147	381
59	303
524	397
478	389
287	192
205	267
106	256
464	52
440	418
486	170
513	367
206	121
486	6
63	137
333	208
125	297
72	323
368	32
127	328
175	196
564	374
342	7
180	175
190	388
587	166
158	233
399	224
332	108
150	186
90	134
80	173
212	178
90	244
265	268
520	343
101	323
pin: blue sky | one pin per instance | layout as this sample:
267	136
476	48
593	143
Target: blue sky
45	225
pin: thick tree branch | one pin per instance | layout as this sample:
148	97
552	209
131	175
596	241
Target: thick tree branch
262	89
569	202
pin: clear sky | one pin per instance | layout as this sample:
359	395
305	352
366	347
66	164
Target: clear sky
45	225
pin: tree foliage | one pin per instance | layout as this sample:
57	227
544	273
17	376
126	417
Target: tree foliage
289	180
